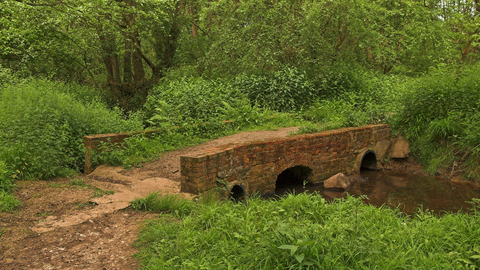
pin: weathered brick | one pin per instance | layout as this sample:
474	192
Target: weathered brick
260	162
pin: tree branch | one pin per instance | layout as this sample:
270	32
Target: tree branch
139	49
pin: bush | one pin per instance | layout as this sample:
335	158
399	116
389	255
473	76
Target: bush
43	128
7	77
338	81
439	115
190	101
285	90
7	202
373	102
6	178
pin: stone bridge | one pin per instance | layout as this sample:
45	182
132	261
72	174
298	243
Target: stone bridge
254	166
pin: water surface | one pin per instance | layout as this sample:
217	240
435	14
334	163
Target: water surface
403	190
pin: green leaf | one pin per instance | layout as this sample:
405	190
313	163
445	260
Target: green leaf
285	247
293	250
300	257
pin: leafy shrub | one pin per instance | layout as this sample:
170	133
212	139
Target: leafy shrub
7	202
340	112
338	81
43	128
7	77
6	178
372	106
190	101
285	90
83	93
439	115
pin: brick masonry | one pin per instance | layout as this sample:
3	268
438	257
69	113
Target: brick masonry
255	165
93	141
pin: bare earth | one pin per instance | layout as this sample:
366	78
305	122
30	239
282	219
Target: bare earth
64	226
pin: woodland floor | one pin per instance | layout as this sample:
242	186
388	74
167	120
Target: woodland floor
65	226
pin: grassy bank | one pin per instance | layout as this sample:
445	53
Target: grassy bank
440	116
303	232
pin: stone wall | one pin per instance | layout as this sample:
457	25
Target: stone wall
256	165
92	142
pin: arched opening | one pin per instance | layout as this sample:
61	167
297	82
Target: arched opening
292	179
369	161
237	193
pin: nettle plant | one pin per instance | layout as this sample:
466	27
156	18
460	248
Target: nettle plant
285	90
43	127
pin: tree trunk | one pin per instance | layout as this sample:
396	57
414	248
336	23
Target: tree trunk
127	61
138	71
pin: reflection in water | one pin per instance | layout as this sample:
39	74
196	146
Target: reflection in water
403	190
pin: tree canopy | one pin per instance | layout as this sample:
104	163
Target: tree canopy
125	46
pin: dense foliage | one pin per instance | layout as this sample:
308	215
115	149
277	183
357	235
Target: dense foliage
43	128
285	90
303	232
192	101
7	201
440	115
126	46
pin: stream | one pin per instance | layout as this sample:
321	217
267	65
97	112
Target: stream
406	191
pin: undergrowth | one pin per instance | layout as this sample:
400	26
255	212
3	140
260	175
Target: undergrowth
7	201
303	232
43	128
164	204
192	110
440	117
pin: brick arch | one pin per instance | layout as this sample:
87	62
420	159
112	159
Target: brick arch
360	159
284	163
293	176
256	165
237	192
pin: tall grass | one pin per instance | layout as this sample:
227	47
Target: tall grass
440	116
164	204
304	232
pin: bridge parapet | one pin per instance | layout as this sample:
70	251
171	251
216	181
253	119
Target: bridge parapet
255	165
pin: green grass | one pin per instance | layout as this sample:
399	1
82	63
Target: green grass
439	115
8	202
43	125
78	182
55	185
304	232
100	192
164	203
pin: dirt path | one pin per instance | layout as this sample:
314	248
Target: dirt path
81	226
